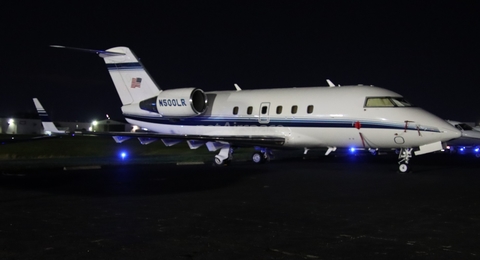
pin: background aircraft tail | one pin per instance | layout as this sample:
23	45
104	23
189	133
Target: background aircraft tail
132	81
47	123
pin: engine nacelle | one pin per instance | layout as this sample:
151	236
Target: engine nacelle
180	102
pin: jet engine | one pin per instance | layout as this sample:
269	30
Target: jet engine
181	102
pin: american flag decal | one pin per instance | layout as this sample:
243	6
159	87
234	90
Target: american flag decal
136	82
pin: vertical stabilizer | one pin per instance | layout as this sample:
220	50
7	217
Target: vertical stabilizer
132	81
48	126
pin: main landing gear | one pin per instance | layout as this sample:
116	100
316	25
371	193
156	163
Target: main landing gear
224	157
259	157
404	156
262	156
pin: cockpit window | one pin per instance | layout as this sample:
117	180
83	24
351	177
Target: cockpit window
379	102
386	102
400	102
463	126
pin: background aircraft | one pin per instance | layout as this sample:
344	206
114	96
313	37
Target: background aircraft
48	126
468	142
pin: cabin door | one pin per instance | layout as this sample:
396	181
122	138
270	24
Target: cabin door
263	117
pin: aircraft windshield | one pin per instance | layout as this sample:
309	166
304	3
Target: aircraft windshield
386	102
463	126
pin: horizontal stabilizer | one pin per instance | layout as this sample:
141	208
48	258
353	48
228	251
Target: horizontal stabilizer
131	80
101	53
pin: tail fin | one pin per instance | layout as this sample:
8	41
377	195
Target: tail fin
47	124
132	81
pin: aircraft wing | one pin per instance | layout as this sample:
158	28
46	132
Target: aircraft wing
247	140
194	141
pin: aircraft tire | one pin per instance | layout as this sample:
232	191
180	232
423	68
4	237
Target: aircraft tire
258	157
403	168
218	161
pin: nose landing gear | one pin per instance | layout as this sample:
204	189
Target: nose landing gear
404	157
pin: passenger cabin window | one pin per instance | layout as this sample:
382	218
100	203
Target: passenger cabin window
386	102
294	109
279	109
310	109
235	110
264	110
249	110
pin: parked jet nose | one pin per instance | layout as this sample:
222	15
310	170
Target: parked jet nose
449	132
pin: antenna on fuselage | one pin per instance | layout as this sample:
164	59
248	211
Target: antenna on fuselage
330	84
237	87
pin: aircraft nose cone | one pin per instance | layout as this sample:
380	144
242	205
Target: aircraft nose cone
451	133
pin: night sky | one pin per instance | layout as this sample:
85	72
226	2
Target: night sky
427	51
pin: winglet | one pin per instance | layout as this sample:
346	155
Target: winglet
237	87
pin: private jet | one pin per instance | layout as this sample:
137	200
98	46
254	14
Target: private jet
330	117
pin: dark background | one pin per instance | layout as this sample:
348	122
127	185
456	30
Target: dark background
427	51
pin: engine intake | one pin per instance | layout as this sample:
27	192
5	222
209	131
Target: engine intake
182	102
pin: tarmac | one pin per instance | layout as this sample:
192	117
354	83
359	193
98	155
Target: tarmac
330	208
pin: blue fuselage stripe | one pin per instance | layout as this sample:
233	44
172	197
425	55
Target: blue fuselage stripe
238	122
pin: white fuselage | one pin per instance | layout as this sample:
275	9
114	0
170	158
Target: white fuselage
306	117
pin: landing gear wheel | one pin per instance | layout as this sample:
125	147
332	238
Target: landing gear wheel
222	162
403	168
259	157
218	161
224	157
